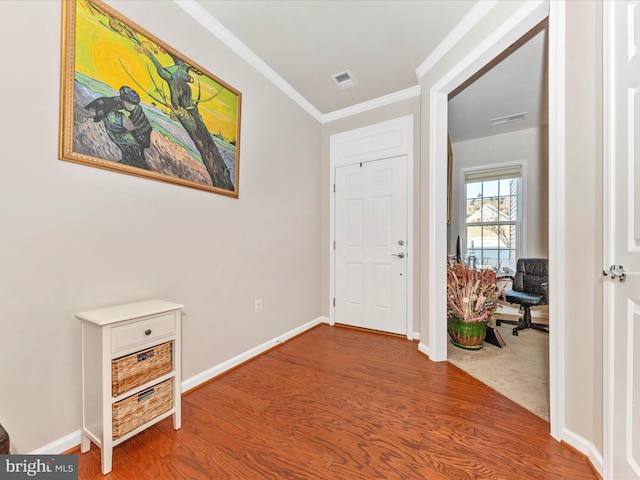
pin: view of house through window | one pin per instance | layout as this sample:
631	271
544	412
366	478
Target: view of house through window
492	217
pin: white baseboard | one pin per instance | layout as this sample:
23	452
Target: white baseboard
72	440
585	447
576	441
216	370
424	348
596	460
61	445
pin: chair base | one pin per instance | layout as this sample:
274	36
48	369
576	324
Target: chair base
524	322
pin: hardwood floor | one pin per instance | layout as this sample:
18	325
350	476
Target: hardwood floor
338	403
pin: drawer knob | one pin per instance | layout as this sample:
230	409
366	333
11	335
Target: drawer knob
147	332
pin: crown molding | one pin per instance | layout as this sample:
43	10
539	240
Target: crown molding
463	27
202	16
372	104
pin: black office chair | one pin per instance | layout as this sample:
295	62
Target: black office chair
530	288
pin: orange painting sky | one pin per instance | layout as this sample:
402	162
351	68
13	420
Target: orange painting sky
104	55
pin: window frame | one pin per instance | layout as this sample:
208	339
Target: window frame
520	208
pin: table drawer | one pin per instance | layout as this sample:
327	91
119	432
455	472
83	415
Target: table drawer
139	333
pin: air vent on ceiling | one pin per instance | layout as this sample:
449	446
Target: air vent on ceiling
508	119
344	79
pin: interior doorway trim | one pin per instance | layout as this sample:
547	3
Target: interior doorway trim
517	25
393	138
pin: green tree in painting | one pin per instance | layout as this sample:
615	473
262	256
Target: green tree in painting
179	100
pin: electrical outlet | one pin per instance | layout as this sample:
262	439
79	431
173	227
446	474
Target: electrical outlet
259	305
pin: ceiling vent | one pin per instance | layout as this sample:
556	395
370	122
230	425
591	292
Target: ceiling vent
344	79
508	119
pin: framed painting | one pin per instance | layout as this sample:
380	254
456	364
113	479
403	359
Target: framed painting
132	104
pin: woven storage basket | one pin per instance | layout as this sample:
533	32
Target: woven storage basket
139	368
130	413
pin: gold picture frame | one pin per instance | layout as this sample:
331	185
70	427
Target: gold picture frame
132	104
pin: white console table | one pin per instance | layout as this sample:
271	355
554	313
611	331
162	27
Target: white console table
108	336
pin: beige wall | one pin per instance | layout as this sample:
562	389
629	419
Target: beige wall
527	146
382	114
77	238
584	260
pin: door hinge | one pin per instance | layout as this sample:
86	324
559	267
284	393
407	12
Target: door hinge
334	188
334	301
334	244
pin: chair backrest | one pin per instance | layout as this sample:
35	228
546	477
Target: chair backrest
531	273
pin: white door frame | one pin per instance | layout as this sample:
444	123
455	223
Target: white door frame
517	25
608	191
388	139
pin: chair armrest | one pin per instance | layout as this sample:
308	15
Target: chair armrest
503	277
545	292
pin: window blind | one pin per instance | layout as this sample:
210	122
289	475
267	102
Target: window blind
514	171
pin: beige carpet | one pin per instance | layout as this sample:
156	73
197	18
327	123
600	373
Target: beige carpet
519	371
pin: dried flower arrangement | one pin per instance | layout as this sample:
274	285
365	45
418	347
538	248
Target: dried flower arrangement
472	295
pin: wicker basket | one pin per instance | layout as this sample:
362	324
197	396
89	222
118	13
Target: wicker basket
139	368
136	410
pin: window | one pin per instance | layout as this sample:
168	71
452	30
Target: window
492	218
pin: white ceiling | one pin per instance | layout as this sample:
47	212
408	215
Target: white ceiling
516	82
382	43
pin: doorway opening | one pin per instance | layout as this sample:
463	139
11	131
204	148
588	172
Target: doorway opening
498	129
516	26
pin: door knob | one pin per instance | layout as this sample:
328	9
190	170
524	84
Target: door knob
616	272
400	255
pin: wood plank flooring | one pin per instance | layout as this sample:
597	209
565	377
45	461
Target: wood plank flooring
338	403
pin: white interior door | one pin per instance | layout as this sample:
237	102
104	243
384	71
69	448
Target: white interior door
622	293
371	245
